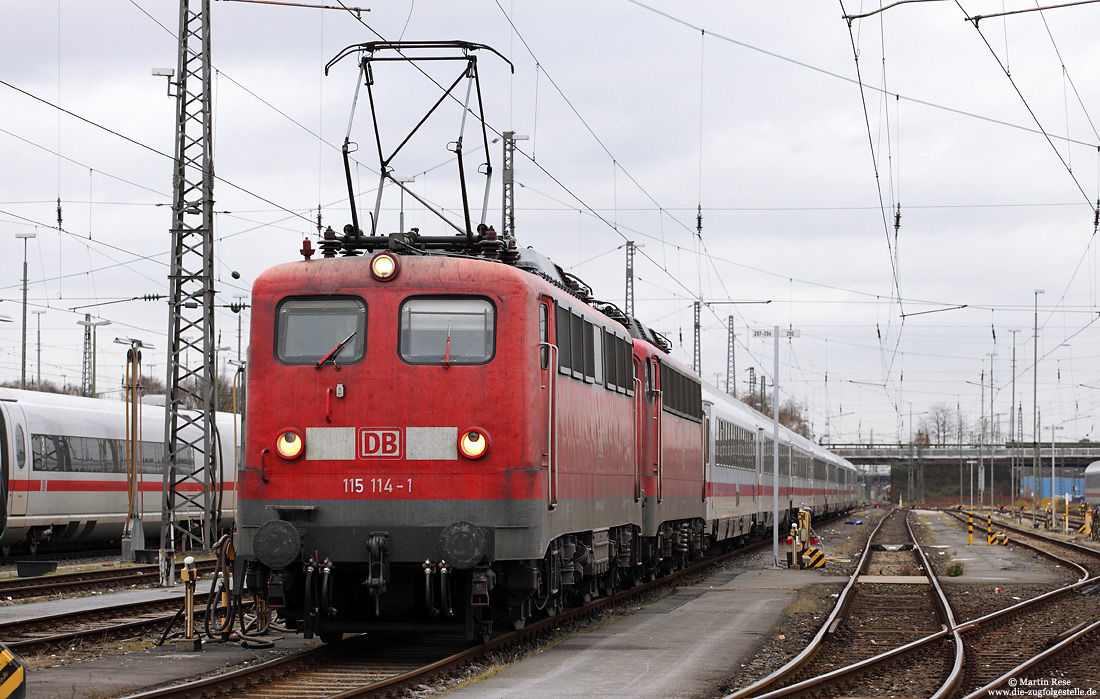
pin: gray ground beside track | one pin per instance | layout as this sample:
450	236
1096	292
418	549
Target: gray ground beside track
682	646
996	565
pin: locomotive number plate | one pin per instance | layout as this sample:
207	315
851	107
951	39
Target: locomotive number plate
378	485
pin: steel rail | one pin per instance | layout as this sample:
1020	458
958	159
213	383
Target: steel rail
973	624
9	629
39	585
237	679
1051	652
1026	606
955	675
1085	580
390	686
882	658
955	630
854	668
1073	545
826	629
34	583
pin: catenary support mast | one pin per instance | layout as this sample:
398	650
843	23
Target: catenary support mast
629	305
189	476
731	362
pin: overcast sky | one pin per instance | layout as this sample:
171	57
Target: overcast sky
637	114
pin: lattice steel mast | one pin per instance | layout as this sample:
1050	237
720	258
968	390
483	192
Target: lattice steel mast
508	184
731	362
629	305
190	478
697	361
86	368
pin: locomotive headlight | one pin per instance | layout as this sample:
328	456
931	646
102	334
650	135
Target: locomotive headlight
384	266
473	443
290	444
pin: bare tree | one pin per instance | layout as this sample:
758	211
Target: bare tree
940	424
937	424
790	414
45	387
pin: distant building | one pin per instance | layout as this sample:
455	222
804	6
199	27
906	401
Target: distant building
1074	486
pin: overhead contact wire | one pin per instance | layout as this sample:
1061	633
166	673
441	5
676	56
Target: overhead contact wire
1030	111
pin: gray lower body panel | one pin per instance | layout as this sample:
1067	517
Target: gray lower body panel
518	529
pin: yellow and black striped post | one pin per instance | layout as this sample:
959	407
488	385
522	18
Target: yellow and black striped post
813	557
13	677
970	517
989	529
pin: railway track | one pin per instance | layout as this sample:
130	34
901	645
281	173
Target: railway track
63	583
998	644
403	659
1021	642
360	666
1069	551
388	661
71	629
1074	660
891	615
1051	635
9	561
906	656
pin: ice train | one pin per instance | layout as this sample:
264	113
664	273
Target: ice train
63	470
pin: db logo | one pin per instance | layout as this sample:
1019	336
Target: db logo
379	444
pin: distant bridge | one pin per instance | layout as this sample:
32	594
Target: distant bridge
1073	455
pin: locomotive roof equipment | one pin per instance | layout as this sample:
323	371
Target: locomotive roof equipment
376	51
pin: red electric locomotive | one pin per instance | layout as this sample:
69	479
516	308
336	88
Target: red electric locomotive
451	427
442	434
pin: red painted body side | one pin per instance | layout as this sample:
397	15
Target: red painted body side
566	454
587	469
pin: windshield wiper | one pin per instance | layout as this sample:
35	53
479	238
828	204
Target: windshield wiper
335	351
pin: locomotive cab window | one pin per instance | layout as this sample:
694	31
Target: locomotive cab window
544	335
447	331
308	329
561	327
